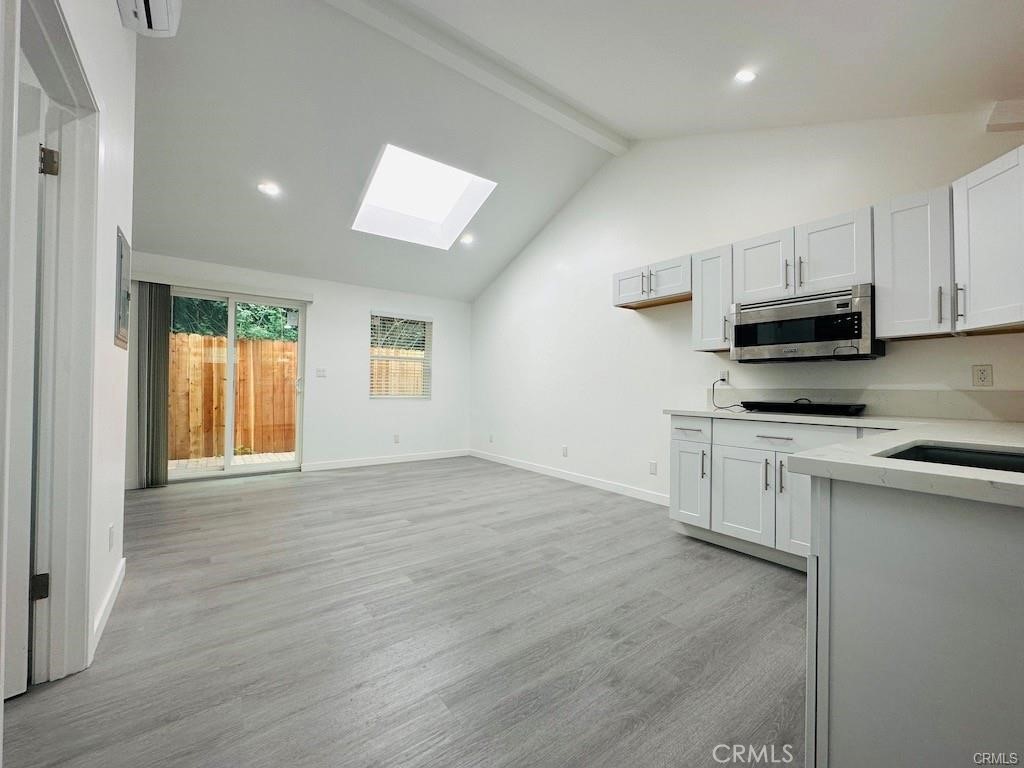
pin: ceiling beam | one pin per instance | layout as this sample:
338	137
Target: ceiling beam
1007	116
445	48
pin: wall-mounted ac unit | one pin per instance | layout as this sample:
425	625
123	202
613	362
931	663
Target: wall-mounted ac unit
153	18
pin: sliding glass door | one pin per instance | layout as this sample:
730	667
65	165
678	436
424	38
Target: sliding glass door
252	424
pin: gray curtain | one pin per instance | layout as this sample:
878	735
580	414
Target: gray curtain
154	313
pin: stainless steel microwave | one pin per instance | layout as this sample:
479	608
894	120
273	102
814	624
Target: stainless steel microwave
829	326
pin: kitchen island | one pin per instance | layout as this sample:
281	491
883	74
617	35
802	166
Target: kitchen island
915	599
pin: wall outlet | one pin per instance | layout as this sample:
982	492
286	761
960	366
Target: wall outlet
982	375
110	538
565	451
723	376
321	373
652	467
396	438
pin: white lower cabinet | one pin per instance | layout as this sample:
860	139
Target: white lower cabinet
792	509
690	476
731	476
743	494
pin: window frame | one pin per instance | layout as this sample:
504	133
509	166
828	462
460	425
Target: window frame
427	361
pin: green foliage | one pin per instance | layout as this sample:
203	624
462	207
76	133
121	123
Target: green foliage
209	317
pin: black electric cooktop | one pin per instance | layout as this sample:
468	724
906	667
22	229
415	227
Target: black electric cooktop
804	407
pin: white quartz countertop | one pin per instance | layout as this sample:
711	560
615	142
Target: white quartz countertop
866	460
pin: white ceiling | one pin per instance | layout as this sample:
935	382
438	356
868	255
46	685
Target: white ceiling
660	68
305	95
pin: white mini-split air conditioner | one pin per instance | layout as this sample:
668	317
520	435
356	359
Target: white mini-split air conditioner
153	18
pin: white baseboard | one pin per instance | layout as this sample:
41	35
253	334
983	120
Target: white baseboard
100	621
369	461
575	477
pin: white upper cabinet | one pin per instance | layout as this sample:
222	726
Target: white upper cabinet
660	283
669	278
834	253
988	244
913	265
629	287
712	295
762	267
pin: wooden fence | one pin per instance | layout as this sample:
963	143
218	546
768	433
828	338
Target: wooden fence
265	373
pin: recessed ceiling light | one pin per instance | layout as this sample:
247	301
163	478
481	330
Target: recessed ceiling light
413	198
467	239
269	188
745	76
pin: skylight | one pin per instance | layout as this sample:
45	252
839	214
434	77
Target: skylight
419	200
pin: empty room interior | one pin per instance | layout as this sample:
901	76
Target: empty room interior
481	384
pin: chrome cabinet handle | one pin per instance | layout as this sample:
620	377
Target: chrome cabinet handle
786	274
781	468
940	305
773	437
799	272
689	429
650	282
767	469
725	328
960	314
643	289
702	453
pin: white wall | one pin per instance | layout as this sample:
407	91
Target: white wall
555	364
342	426
107	52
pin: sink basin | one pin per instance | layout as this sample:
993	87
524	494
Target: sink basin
962	457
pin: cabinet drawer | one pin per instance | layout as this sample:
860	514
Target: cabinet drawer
696	429
785	438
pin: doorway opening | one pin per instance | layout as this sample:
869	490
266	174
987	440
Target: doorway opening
234	399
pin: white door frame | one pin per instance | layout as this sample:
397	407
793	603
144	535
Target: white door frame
61	641
232	298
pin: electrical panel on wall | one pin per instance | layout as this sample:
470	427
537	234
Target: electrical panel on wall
153	18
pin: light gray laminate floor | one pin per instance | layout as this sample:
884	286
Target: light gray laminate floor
447	613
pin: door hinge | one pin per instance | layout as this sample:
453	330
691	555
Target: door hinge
39	586
49	161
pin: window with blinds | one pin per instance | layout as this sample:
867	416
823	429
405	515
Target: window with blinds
400	357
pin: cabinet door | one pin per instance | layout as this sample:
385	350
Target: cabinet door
834	253
629	287
743	493
712	295
669	278
792	509
762	267
690	479
988	245
913	265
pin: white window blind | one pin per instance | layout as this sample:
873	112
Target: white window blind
400	357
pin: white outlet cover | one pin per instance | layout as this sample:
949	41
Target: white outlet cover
321	373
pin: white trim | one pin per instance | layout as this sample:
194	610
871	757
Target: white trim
575	477
463	57
99	623
370	461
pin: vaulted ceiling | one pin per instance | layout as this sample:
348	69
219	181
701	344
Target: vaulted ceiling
661	68
306	95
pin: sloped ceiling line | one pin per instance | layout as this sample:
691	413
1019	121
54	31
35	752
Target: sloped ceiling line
445	49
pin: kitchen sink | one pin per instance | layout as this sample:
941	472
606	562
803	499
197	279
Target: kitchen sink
962	457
